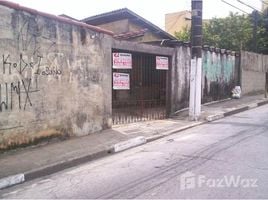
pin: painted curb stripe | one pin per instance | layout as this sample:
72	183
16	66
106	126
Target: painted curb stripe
11	180
121	146
214	117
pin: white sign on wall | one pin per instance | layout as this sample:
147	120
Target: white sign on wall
122	61
121	81
161	63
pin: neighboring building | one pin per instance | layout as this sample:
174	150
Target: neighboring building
127	25
264	5
175	22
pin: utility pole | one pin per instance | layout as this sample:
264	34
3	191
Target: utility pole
196	61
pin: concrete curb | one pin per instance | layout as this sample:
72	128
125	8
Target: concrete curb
159	136
235	111
121	146
56	167
11	180
50	169
205	104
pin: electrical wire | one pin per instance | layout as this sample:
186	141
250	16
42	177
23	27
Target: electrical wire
234	6
248	5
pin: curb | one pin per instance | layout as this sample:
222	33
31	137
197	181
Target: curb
205	104
11	180
235	111
50	169
121	146
118	147
159	136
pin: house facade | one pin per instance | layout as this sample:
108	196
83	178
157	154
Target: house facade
129	26
61	78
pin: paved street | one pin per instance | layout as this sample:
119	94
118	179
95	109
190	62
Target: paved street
223	159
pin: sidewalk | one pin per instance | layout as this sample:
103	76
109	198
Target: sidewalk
25	164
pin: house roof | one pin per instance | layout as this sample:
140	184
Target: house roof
58	18
67	16
131	34
123	14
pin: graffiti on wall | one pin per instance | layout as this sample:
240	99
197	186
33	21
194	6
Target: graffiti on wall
20	72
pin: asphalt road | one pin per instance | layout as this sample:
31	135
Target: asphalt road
227	158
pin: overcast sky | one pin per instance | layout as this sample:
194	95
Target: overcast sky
152	10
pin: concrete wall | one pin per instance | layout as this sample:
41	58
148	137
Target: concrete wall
180	76
55	78
253	68
219	76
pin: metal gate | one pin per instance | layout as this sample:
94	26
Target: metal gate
145	99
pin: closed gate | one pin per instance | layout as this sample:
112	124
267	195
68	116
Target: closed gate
139	93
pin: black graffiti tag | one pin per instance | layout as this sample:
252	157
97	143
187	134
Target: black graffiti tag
27	93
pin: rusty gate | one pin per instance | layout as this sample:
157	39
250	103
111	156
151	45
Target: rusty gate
145	96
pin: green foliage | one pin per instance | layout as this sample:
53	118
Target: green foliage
234	32
184	35
262	33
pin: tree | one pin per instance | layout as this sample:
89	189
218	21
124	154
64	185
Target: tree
184	35
234	32
262	32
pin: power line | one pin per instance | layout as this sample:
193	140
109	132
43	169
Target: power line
234	6
255	23
248	5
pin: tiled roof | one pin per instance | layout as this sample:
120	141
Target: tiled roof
131	34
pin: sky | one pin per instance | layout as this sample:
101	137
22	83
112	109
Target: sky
152	10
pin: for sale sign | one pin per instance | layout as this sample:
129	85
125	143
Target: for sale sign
161	63
120	81
122	61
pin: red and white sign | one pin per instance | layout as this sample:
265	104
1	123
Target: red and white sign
161	63
120	81
122	61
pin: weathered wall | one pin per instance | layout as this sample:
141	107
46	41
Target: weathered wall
219	76
55	78
180	76
253	68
